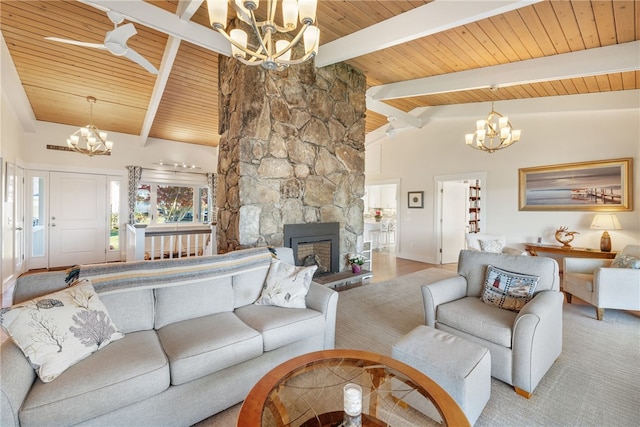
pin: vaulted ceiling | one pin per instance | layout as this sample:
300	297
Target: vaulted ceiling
414	53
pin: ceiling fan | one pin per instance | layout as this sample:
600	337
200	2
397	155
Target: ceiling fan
115	42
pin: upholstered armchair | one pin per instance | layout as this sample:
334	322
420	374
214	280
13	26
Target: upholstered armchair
524	344
605	283
491	243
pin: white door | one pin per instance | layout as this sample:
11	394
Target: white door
77	219
454	217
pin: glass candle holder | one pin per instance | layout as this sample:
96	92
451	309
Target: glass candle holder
352	399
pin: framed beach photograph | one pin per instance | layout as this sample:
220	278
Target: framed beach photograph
416	199
603	185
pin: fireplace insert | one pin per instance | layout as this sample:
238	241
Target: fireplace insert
315	244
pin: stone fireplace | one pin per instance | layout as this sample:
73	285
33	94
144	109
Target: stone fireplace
315	244
291	152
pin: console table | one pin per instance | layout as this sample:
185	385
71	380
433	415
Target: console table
534	248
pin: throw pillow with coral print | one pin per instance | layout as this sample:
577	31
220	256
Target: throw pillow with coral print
58	330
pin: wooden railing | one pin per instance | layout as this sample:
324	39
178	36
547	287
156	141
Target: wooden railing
175	241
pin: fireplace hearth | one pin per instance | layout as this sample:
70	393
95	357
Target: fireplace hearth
315	244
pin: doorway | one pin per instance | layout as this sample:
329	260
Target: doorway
74	219
455	216
382	197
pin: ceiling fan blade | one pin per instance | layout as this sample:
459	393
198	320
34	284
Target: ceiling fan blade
121	34
140	60
77	43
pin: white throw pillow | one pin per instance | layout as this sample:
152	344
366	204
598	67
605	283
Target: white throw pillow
493	246
58	330
286	285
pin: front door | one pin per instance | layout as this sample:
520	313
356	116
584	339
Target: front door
77	219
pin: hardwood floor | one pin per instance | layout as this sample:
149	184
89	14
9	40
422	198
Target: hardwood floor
387	266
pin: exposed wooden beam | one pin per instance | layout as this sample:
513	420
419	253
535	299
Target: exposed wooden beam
170	52
432	18
389	111
186	9
590	62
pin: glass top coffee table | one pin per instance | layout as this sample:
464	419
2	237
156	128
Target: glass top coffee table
307	391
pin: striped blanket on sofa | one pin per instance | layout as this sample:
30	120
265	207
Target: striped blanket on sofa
119	277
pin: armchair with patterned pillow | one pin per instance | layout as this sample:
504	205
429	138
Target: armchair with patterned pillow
605	283
511	305
495	243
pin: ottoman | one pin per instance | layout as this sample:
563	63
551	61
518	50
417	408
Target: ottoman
460	367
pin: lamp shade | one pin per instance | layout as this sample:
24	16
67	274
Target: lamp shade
605	222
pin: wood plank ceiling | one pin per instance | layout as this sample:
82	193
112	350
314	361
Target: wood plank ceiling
58	77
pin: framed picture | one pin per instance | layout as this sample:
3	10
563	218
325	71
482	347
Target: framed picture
588	186
416	199
9	184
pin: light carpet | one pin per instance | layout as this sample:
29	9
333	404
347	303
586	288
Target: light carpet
594	382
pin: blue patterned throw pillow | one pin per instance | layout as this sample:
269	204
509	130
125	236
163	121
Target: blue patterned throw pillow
58	330
626	261
507	289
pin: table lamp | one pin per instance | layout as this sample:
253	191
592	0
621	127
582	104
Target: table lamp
605	222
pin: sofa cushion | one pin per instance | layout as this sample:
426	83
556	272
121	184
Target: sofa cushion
131	311
199	347
286	285
476	318
507	289
579	280
247	286
193	300
126	371
281	326
58	330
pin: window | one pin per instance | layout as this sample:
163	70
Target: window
114	215
166	203
38	217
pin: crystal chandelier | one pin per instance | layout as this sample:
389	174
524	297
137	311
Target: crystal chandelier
493	133
94	140
272	54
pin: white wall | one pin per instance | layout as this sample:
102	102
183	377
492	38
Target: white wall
554	131
29	150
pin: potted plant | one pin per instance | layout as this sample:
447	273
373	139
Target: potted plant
356	262
378	215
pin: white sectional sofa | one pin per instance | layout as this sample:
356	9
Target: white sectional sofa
193	344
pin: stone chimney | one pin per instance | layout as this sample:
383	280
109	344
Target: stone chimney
291	152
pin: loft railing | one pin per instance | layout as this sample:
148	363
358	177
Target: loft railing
161	242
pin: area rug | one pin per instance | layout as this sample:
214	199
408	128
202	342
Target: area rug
594	382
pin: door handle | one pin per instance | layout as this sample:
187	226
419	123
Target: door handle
18	228
53	225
